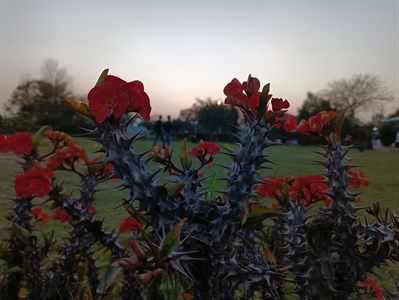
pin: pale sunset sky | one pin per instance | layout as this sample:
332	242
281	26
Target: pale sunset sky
182	50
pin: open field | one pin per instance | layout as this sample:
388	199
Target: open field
381	168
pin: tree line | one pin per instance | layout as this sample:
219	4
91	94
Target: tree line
37	102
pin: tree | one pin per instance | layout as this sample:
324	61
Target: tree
362	91
212	118
37	102
312	105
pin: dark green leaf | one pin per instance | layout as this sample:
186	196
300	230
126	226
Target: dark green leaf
263	99
212	187
109	277
339	124
134	213
256	216
38	136
172	240
175	189
22	234
79	107
184	159
102	77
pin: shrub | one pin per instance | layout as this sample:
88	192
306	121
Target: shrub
387	134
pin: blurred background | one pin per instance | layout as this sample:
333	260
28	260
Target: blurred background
316	54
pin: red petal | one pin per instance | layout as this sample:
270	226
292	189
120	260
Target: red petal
233	87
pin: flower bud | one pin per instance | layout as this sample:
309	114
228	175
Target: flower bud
144	277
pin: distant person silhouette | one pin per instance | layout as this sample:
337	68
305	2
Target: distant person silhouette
167	126
158	128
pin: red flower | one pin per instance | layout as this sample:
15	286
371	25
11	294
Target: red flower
105	170
251	86
236	96
373	285
92	210
204	148
67	156
39	215
289	122
326	116
4	143
129	224
269	187
254	101
62	215
315	124
138	99
21	143
308	189
58	138
279	104
35	181
116	96
303	127
234	93
357	179
107	98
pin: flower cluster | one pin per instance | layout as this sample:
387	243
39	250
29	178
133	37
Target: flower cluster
59	139
116	97
61	214
19	143
38	214
203	149
67	157
306	190
357	179
105	171
236	96
34	182
247	96
316	123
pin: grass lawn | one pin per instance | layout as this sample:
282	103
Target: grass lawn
381	168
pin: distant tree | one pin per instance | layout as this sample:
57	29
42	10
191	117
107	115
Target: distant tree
387	134
37	102
362	91
312	105
211	118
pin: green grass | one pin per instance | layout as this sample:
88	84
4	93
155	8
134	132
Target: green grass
381	168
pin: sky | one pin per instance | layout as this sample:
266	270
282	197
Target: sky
183	50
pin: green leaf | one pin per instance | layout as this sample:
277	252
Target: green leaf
109	277
339	124
263	99
175	189
38	136
212	187
172	240
266	235
102	77
256	216
79	107
22	234
135	213
184	159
